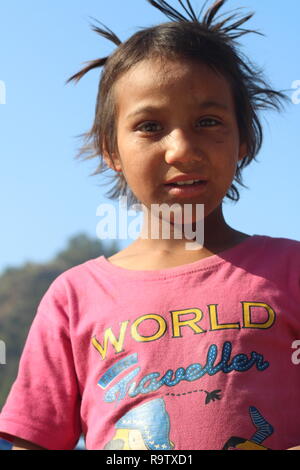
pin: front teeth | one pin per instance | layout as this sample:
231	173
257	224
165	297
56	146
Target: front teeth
181	183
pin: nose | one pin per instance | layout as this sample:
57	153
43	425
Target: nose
181	147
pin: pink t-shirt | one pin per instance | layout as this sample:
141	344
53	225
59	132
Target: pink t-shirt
200	356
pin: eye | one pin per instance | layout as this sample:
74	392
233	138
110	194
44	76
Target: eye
209	122
152	126
148	127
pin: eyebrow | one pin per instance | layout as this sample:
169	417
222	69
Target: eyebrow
202	105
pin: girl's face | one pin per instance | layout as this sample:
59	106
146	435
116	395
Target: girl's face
176	118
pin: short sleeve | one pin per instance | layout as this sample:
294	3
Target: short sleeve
43	405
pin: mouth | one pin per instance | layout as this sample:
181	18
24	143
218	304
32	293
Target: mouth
186	190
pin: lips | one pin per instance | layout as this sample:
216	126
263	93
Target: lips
188	190
182	178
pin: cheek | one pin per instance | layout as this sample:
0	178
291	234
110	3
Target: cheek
227	173
223	174
143	166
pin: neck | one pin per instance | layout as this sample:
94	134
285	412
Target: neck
217	235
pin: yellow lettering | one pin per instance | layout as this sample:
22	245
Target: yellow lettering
108	335
162	326
215	325
247	315
178	324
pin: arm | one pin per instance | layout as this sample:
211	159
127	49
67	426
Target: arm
43	405
20	444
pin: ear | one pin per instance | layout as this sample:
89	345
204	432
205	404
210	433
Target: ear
243	151
112	160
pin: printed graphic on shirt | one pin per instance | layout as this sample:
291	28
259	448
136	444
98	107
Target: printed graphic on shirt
119	390
219	359
145	427
263	431
210	396
128	387
180	321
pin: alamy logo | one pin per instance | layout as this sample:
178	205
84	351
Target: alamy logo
162	220
296	94
2	92
2	352
296	354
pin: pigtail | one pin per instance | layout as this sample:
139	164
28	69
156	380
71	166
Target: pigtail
107	34
173	14
231	31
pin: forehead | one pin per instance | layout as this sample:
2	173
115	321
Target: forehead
167	80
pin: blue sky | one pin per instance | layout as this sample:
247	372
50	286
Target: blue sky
46	195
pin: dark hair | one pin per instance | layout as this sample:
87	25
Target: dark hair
211	41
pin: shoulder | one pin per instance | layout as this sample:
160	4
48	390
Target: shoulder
74	276
278	260
279	251
72	285
266	251
281	246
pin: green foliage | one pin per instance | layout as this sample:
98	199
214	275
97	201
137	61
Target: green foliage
21	290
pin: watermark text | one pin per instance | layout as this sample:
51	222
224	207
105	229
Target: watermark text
2	352
296	354
296	93
2	92
162	221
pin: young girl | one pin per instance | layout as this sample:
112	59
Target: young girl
161	347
